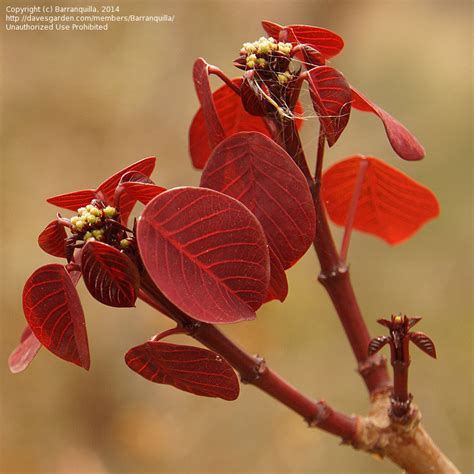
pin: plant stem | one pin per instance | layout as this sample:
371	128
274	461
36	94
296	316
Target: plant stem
400	399
334	274
352	209
253	369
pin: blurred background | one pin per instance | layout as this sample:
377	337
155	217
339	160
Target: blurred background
77	106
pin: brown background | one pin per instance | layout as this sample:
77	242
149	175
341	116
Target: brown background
78	106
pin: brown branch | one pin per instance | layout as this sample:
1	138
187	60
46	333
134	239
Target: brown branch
406	444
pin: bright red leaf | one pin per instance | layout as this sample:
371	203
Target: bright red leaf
26	351
140	191
54	313
325	41
255	170
73	201
188	368
206	252
145	167
234	118
331	96
105	191
391	206
402	141
53	239
110	276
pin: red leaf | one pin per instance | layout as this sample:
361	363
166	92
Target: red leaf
234	118
331	96
215	131
391	206
206	252
402	141
140	191
53	239
73	201
188	368
252	99
255	170
26	351
110	276
54	313
423	342
278	289
377	344
325	41
145	166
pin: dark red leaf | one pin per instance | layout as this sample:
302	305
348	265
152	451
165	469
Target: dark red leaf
53	239
54	313
234	118
278	289
188	368
107	188
26	351
215	131
377	344
73	201
206	252
110	276
402	141
255	170
391	206
331	96
325	41
252	99
423	342
140	191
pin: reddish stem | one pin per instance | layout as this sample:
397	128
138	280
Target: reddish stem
352	209
334	274
253	369
169	332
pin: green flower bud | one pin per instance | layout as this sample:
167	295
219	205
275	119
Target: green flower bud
87	236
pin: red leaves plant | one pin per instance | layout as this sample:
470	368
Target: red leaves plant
391	206
331	96
54	313
206	252
110	276
255	170
188	368
402	141
233	117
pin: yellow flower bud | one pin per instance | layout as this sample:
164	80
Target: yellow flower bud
87	236
124	243
110	211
